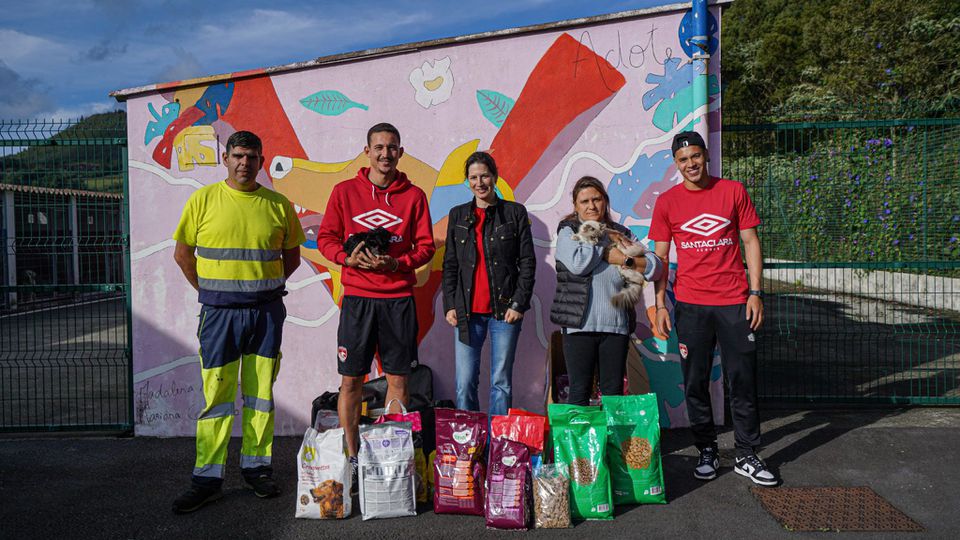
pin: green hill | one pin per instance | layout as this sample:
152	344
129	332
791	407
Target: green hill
85	155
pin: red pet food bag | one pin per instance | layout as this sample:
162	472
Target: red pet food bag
508	485
458	468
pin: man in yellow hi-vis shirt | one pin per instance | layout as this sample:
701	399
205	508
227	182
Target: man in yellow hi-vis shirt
237	243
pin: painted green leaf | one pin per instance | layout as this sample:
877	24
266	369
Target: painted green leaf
494	106
330	103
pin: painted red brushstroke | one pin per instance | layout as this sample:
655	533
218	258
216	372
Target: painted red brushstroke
163	153
569	79
255	107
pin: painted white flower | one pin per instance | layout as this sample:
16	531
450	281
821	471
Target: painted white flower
433	82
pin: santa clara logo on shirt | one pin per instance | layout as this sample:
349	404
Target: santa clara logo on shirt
342	353
683	350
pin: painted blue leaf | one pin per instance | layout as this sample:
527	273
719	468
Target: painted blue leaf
494	106
330	103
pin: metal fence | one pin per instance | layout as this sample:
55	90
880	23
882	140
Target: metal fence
65	355
861	219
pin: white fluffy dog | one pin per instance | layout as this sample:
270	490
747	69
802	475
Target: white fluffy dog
590	232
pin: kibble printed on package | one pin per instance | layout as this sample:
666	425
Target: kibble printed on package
633	449
508	485
458	468
387	471
580	445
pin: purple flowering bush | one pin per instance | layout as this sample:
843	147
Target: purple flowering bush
889	197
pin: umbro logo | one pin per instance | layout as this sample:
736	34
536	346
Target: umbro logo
705	224
377	218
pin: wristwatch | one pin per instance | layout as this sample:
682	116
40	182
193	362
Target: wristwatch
628	262
757	293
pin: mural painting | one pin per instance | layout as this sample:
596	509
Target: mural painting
603	100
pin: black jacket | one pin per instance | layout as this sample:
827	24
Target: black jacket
569	308
508	251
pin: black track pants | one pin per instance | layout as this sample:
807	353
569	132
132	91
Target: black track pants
699	328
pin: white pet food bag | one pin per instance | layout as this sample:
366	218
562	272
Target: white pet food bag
323	476
387	471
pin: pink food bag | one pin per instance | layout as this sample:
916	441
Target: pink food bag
458	468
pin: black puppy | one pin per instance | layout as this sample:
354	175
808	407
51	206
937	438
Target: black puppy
375	242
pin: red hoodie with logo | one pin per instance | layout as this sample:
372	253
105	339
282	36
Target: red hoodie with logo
357	205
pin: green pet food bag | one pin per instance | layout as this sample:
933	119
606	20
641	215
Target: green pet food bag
580	445
633	449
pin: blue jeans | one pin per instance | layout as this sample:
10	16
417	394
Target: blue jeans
503	345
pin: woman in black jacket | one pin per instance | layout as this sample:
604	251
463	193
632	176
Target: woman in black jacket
488	274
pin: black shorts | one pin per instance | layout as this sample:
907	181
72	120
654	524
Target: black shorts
371	324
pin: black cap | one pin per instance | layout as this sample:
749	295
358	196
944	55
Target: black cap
687	138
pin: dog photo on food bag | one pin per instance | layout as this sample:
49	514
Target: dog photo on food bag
376	241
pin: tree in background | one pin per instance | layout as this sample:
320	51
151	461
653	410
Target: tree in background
819	54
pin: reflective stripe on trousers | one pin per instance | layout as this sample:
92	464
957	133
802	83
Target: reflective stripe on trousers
215	424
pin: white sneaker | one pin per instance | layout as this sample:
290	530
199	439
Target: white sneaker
756	470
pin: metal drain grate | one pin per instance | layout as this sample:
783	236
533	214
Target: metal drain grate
833	509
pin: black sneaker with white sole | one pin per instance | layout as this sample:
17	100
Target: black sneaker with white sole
708	464
756	470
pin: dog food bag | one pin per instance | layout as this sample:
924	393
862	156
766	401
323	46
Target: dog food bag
508	485
386	470
418	458
458	468
580	445
633	449
323	476
551	497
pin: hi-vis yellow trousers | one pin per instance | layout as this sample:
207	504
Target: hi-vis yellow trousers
237	344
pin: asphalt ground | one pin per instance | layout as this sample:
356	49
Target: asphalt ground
56	487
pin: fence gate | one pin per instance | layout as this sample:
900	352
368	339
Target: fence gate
861	218
65	355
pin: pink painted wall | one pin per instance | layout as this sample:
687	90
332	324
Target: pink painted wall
602	100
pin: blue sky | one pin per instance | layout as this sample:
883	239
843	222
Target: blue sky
61	59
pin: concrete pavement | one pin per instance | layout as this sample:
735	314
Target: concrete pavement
107	487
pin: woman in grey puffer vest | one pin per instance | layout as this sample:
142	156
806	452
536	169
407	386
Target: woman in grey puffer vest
596	334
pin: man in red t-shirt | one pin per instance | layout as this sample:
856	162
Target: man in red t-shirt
706	217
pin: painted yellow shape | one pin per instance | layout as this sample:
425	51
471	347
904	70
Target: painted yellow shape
190	148
337	291
309	183
188	97
314	166
433	84
506	192
451	172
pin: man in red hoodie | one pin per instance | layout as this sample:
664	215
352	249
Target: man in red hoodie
377	311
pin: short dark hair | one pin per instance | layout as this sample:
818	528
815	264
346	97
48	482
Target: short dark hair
586	182
482	158
687	138
382	127
244	139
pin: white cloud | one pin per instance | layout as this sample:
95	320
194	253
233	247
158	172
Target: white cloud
84	110
28	53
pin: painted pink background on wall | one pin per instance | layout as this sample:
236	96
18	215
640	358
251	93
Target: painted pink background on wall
616	139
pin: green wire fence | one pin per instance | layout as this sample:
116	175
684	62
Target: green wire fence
861	212
861	219
64	306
